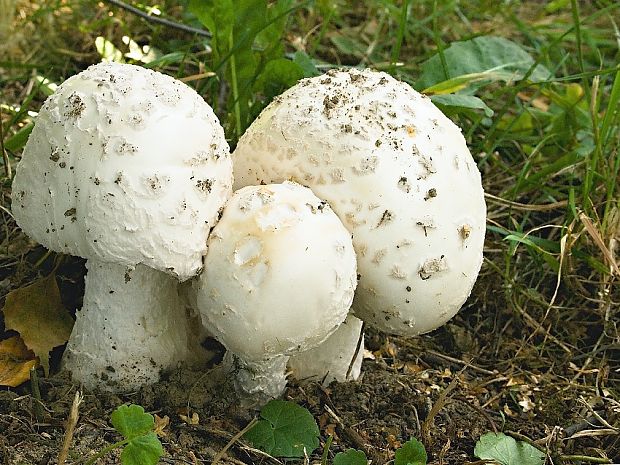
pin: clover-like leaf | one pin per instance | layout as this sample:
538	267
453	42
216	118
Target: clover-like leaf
285	430
412	453
142	450
132	421
351	457
507	451
137	427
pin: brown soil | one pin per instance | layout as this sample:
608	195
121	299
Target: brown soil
421	388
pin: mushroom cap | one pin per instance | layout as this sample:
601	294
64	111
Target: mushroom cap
124	165
400	177
280	272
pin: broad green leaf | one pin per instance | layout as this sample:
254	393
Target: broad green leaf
132	421
348	45
142	450
507	451
276	19
450	86
412	453
218	16
285	430
278	76
351	457
306	64
498	59
457	102
18	140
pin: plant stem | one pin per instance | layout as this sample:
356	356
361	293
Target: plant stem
584	458
328	444
36	394
106	450
235	88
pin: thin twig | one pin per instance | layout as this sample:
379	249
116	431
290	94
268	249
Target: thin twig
234	439
584	458
360	342
158	20
72	420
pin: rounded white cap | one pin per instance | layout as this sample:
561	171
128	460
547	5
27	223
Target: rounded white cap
400	177
279	274
124	165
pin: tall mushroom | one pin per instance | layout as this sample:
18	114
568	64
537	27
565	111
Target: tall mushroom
400	177
280	273
127	168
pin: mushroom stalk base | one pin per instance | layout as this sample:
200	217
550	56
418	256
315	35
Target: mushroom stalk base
132	325
257	382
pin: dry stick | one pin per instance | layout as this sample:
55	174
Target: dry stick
598	240
158	20
360	339
234	439
353	436
584	458
437	406
72	420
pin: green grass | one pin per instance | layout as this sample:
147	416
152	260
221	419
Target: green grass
549	154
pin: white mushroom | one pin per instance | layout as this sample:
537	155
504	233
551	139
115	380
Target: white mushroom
398	174
339	358
128	168
279	278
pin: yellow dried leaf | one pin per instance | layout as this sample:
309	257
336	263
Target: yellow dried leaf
15	362
37	314
161	424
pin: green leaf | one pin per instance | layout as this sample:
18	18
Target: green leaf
459	102
278	76
487	58
18	140
306	64
507	451
285	430
351	457
132	421
412	453
142	450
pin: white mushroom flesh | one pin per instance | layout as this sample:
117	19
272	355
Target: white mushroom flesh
280	274
117	345
398	174
124	165
340	355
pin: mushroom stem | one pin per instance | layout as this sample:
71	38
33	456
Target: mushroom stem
338	358
257	381
131	326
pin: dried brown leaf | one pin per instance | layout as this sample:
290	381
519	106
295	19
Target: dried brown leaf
37	314
15	362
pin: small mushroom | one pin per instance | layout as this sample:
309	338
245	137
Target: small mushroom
127	168
400	177
280	274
